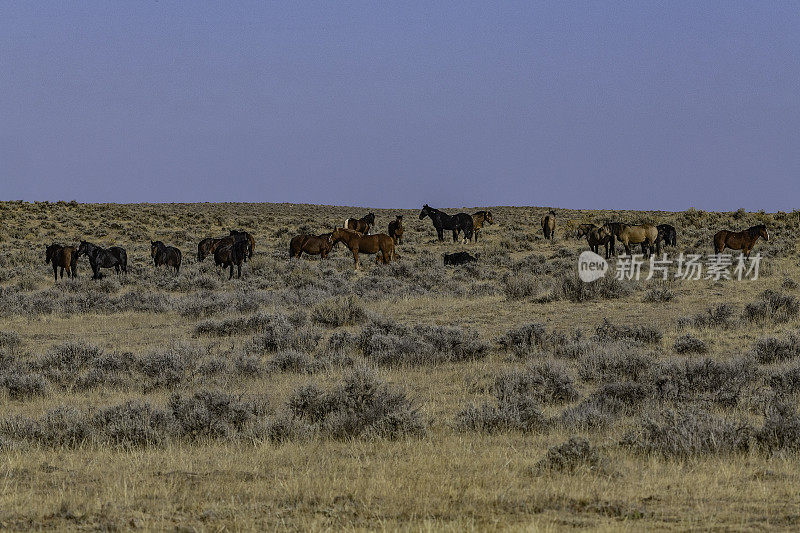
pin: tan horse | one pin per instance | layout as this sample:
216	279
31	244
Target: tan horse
479	219
740	240
368	244
549	225
646	235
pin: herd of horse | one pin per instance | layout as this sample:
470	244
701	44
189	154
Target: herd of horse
356	234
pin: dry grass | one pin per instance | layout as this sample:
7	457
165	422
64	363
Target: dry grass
267	470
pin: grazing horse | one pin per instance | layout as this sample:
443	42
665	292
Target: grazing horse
478	220
209	245
583	230
229	253
320	245
739	240
396	230
667	233
646	234
459	258
549	225
361	225
104	258
65	257
442	221
368	244
165	255
243	235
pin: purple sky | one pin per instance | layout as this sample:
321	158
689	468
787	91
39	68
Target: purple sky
393	104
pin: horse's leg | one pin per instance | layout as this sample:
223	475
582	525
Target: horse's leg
239	271
231	271
355	258
455	235
440	234
55	271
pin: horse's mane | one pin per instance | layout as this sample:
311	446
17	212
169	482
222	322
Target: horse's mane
755	230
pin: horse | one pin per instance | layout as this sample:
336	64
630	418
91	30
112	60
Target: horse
597	237
361	225
368	244
320	245
231	252
459	258
549	225
165	255
243	235
65	257
646	234
583	230
396	230
739	240
442	221
478	219
667	234
209	245
104	258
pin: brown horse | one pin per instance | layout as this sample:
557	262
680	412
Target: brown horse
645	234
597	237
583	230
368	244
549	225
479	219
165	255
320	245
739	240
396	230
243	235
361	225
230	253
209	245
65	257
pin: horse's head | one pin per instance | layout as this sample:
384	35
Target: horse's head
488	217
426	210
154	246
50	252
370	219
762	231
201	250
84	248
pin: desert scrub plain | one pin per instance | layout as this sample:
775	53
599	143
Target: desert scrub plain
502	394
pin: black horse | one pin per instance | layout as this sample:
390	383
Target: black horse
459	258
667	234
442	221
244	236
104	258
229	253
165	255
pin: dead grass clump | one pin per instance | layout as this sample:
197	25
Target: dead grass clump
362	405
338	312
772	307
608	332
573	455
688	433
769	350
690	344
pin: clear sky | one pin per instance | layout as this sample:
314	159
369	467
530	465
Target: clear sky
604	105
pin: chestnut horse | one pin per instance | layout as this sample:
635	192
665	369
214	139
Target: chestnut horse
209	245
739	240
479	219
368	244
396	230
361	225
320	245
65	257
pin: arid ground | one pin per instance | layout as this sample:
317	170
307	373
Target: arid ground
505	394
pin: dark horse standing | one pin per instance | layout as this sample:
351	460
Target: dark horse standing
64	257
244	236
231	253
667	234
104	258
165	255
442	221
